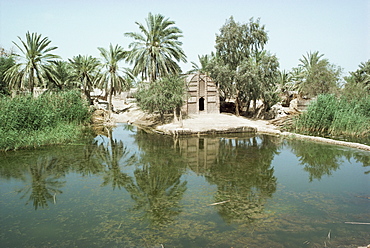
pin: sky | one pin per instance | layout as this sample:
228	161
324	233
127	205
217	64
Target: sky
339	29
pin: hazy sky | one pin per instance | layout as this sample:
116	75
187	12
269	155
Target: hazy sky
337	28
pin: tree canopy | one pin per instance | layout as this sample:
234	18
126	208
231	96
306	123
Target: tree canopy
156	51
163	95
242	69
35	56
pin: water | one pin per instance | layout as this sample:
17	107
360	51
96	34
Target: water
128	188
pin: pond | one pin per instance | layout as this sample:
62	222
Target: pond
129	188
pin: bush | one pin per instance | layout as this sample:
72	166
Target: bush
336	116
27	121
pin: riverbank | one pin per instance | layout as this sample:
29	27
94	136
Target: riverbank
203	124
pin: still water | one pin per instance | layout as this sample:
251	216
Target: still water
129	188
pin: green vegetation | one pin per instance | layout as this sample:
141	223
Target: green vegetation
358	83
242	68
110	80
155	53
162	96
336	116
315	75
35	58
55	118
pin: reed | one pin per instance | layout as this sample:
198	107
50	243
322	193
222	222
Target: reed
329	115
55	118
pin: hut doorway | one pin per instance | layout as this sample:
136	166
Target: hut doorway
201	104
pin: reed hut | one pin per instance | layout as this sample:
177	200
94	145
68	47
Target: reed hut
203	95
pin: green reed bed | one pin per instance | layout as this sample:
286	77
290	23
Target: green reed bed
329	115
27	121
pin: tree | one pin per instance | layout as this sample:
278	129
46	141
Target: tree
318	76
162	95
155	53
111	81
235	44
6	62
35	55
358	82
59	75
85	70
204	67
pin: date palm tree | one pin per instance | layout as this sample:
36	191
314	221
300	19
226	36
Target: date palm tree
156	52
111	81
35	56
59	75
85	70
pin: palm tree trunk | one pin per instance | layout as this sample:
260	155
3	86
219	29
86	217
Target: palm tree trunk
31	81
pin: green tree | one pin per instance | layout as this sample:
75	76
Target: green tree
318	75
258	78
235	44
85	70
164	95
204	67
111	81
358	82
156	52
6	62
59	76
35	55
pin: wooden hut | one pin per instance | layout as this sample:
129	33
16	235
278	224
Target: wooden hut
203	95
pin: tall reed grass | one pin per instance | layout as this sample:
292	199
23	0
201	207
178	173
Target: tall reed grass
55	118
330	115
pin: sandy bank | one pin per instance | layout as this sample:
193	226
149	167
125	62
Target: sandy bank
218	123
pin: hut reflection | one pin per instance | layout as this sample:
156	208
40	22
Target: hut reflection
241	169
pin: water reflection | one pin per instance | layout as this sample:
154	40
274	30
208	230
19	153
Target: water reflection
43	183
241	169
111	155
158	188
136	189
322	160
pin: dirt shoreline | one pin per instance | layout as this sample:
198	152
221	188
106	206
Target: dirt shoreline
204	124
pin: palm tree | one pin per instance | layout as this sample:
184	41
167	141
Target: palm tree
204	61
35	54
85	71
310	61
111	81
155	53
59	75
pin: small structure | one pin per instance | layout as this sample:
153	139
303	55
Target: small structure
203	95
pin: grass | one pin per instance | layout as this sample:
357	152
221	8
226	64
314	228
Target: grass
27	122
335	116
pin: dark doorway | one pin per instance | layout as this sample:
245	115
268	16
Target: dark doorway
201	104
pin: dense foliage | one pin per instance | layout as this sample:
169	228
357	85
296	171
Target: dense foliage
336	116
35	56
6	62
156	51
358	83
163	96
315	76
242	69
26	121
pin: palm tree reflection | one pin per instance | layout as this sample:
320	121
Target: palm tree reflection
112	154
158	191
45	183
158	188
